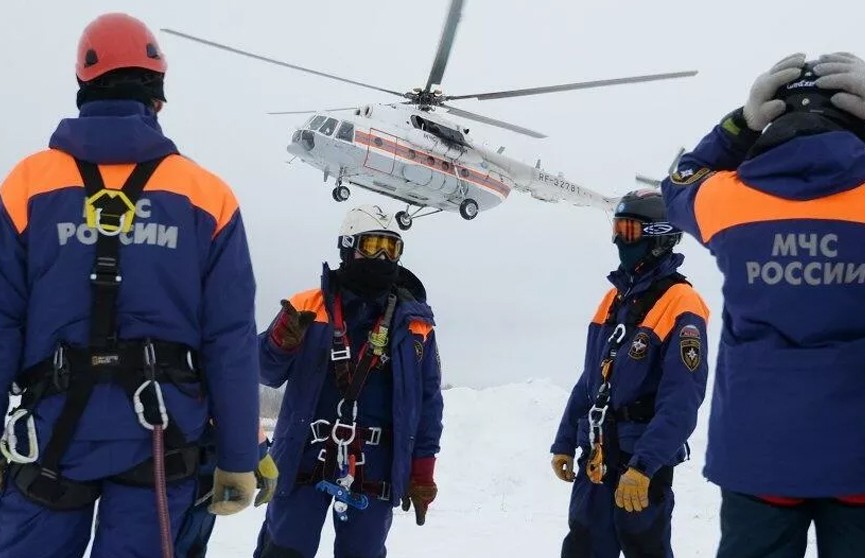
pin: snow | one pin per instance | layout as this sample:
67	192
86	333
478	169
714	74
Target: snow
497	492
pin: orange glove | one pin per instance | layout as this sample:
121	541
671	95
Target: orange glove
290	326
563	467
422	489
633	491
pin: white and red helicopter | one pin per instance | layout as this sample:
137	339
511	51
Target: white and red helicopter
408	152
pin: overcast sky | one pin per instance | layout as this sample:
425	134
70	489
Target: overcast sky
512	290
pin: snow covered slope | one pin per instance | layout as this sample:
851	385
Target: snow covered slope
497	493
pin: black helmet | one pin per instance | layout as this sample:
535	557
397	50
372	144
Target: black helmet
813	106
641	216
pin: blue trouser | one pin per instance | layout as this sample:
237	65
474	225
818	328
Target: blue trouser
194	535
752	528
126	524
600	529
292	527
198	523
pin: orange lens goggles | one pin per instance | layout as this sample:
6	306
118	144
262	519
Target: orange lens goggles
629	230
374	245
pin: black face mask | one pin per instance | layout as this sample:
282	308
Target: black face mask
630	255
368	277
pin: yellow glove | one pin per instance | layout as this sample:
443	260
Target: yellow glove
633	491
563	467
266	474
232	492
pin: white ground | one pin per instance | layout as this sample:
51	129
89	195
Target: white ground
497	494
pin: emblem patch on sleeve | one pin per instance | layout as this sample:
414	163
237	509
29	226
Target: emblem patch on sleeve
689	349
685	177
639	347
418	350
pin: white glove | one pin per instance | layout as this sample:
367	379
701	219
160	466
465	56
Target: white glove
762	107
846	72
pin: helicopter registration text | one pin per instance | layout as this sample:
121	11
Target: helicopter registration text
557	181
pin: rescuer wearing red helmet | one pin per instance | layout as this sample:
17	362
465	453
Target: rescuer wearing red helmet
126	322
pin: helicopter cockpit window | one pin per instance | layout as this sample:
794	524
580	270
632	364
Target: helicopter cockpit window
315	122
345	132
329	126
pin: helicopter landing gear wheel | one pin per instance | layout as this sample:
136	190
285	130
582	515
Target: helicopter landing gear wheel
403	220
341	193
469	209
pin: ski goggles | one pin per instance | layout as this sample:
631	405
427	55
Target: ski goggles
373	245
633	230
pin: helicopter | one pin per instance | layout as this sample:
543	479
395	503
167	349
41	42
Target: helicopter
409	152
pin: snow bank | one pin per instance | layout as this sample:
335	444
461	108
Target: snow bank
497	492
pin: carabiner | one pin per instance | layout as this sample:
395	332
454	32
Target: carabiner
139	406
621	331
9	441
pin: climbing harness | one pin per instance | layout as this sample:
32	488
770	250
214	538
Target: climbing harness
603	438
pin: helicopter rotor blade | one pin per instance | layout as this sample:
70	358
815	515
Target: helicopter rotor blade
648	180
313	111
570	86
493	122
445	44
278	62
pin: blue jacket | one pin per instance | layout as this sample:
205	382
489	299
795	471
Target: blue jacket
665	356
787	228
187	278
416	373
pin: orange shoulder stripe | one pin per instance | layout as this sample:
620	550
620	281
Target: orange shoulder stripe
34	175
52	170
418	327
678	299
604	308
203	189
724	201
311	301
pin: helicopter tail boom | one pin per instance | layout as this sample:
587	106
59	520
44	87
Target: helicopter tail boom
548	187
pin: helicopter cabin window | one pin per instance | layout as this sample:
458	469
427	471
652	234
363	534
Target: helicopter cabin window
329	126
412	154
464	172
446	166
345	132
315	122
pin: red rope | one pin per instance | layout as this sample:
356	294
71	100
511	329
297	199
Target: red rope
161	493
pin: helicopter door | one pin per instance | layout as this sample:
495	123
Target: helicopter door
380	151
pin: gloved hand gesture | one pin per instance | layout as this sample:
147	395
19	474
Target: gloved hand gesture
422	489
761	107
290	326
563	467
266	476
232	492
845	72
633	491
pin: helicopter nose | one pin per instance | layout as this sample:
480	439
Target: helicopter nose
302	141
307	139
